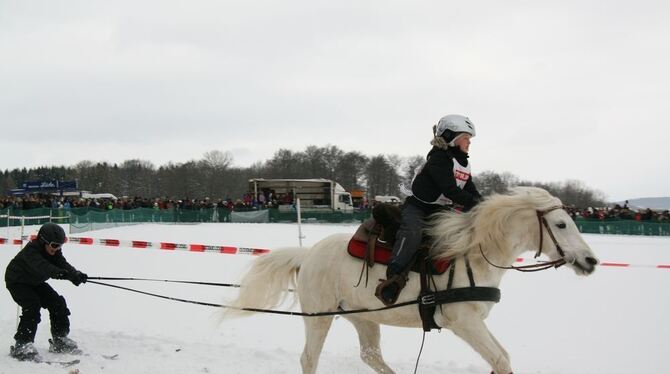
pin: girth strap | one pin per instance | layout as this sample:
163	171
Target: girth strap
457	295
429	300
426	313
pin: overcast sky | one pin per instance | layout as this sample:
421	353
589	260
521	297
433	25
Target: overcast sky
557	89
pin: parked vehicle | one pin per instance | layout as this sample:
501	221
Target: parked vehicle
395	200
314	194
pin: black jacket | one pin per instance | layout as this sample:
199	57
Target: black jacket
437	177
33	265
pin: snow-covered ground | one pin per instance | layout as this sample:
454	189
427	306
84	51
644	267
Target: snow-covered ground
616	321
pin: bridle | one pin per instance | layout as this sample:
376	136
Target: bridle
542	221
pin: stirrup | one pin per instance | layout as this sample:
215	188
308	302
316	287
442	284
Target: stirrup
384	291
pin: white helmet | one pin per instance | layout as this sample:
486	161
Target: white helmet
449	126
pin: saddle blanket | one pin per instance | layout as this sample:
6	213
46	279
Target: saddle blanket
357	248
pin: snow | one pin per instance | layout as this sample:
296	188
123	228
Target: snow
553	322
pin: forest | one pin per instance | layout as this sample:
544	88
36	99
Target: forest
215	176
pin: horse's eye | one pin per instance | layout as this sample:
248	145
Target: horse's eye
561	225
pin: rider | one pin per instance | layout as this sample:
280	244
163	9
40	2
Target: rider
26	277
444	180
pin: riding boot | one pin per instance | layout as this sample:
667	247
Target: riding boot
388	290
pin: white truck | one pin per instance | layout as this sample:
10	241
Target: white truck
394	200
314	194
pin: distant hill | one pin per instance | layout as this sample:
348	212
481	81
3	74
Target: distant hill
655	203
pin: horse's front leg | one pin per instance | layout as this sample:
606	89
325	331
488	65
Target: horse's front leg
499	346
369	337
475	333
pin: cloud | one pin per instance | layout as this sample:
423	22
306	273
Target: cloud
558	90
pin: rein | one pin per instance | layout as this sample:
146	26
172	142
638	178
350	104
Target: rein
542	221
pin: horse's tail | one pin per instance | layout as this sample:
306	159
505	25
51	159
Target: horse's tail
267	283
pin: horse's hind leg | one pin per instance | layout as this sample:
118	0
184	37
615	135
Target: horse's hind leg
369	336
316	329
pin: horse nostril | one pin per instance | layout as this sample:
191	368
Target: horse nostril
592	260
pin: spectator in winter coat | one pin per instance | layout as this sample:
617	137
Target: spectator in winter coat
26	277
444	180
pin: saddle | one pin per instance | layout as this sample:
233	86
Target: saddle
373	240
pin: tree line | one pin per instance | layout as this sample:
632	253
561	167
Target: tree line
214	175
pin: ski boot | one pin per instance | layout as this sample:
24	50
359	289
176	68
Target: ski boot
63	344
24	352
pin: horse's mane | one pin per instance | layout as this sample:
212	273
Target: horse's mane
454	234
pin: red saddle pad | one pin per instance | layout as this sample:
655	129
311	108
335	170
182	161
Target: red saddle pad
357	248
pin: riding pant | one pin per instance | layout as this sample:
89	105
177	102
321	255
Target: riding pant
32	299
408	238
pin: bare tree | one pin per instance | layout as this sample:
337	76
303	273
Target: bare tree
412	166
351	169
314	163
213	169
381	177
490	182
218	160
213	176
284	164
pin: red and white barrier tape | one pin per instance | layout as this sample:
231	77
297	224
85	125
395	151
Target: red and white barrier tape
158	245
27	218
241	250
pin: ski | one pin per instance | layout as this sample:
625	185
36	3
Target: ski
64	364
39	360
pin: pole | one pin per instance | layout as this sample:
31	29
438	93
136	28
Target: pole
23	221
8	223
297	207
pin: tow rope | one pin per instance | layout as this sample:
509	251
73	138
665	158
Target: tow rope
433	298
256	310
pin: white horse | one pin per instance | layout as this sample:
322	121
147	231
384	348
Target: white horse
498	230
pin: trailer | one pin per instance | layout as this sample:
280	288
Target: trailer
315	194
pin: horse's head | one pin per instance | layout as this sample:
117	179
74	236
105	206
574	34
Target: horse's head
504	226
560	239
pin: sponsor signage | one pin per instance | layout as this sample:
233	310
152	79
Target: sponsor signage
52	185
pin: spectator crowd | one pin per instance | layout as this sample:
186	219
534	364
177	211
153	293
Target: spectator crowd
265	200
247	202
619	212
